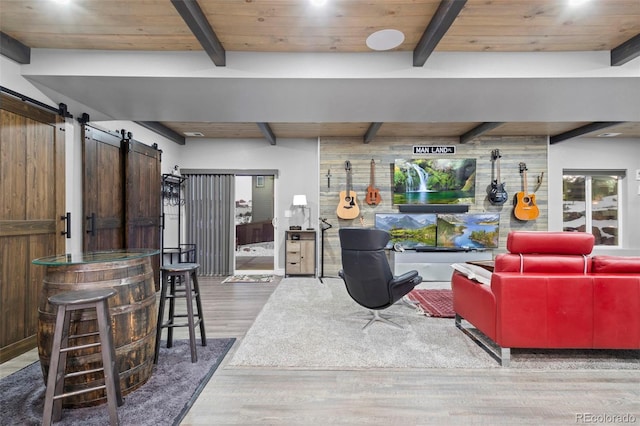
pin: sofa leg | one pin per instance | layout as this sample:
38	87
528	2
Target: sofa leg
505	357
500	354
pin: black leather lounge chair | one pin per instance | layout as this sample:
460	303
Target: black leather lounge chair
367	275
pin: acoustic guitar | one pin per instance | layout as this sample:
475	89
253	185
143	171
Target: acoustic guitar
373	194
348	207
525	204
497	193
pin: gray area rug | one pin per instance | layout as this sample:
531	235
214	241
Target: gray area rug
309	324
164	400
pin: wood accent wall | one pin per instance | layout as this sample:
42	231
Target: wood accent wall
531	150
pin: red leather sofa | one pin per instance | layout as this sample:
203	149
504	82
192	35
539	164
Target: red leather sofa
549	292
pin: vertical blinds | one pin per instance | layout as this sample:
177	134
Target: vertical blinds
209	210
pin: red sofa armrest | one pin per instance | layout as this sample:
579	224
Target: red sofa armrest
475	303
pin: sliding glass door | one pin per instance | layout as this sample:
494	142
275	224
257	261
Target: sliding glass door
254	234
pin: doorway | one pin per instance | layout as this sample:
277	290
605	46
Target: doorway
254	234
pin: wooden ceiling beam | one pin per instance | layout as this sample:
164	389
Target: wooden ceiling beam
267	132
14	50
479	130
200	27
447	12
582	130
627	51
371	132
162	130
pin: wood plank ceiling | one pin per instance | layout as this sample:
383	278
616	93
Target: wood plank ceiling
340	26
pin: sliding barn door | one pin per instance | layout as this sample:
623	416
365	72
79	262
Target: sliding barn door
143	199
102	190
32	203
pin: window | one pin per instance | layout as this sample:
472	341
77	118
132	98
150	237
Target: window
591	203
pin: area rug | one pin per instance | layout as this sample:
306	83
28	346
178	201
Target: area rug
164	400
307	324
248	279
437	303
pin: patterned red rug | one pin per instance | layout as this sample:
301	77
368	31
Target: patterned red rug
434	303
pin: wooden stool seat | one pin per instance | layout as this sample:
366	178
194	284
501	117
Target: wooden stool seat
173	275
66	303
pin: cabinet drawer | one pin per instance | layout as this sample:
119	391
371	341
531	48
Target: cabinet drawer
293	246
293	268
293	257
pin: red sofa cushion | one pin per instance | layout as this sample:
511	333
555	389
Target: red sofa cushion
527	242
616	265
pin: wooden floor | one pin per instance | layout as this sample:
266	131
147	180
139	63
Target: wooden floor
272	396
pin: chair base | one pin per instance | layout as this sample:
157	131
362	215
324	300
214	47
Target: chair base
376	316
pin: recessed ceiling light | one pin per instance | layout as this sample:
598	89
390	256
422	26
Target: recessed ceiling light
608	135
577	2
61	1
385	39
318	2
193	134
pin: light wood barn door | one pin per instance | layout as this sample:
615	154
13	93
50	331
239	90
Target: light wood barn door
32	203
102	190
143	199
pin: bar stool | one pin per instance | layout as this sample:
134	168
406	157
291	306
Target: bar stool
66	303
174	275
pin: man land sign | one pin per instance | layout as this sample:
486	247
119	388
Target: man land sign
425	149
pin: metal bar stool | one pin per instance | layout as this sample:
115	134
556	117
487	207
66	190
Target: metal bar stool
174	275
66	303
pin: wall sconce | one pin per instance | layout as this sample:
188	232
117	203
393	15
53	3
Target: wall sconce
301	201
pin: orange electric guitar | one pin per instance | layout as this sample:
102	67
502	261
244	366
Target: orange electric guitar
347	207
373	194
525	204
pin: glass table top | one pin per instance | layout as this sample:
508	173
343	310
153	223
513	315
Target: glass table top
94	257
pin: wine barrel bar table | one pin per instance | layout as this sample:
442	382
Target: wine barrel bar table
133	317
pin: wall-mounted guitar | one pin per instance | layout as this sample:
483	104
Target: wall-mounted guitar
373	194
497	193
525	204
347	207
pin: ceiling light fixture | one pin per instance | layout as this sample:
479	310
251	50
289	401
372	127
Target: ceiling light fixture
608	135
61	1
194	134
318	2
577	2
385	40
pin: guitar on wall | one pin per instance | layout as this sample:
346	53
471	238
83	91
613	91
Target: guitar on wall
373	194
347	206
525	204
497	193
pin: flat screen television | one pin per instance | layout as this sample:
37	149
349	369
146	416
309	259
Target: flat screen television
468	230
410	230
434	181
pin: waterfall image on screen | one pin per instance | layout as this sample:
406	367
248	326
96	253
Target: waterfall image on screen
434	181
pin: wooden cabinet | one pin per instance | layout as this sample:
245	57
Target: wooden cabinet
300	253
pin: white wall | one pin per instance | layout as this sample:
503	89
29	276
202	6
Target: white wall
295	159
599	153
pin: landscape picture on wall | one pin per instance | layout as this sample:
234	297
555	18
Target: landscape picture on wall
470	230
434	181
409	230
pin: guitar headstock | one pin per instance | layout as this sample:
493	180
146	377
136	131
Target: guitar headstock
523	167
495	154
